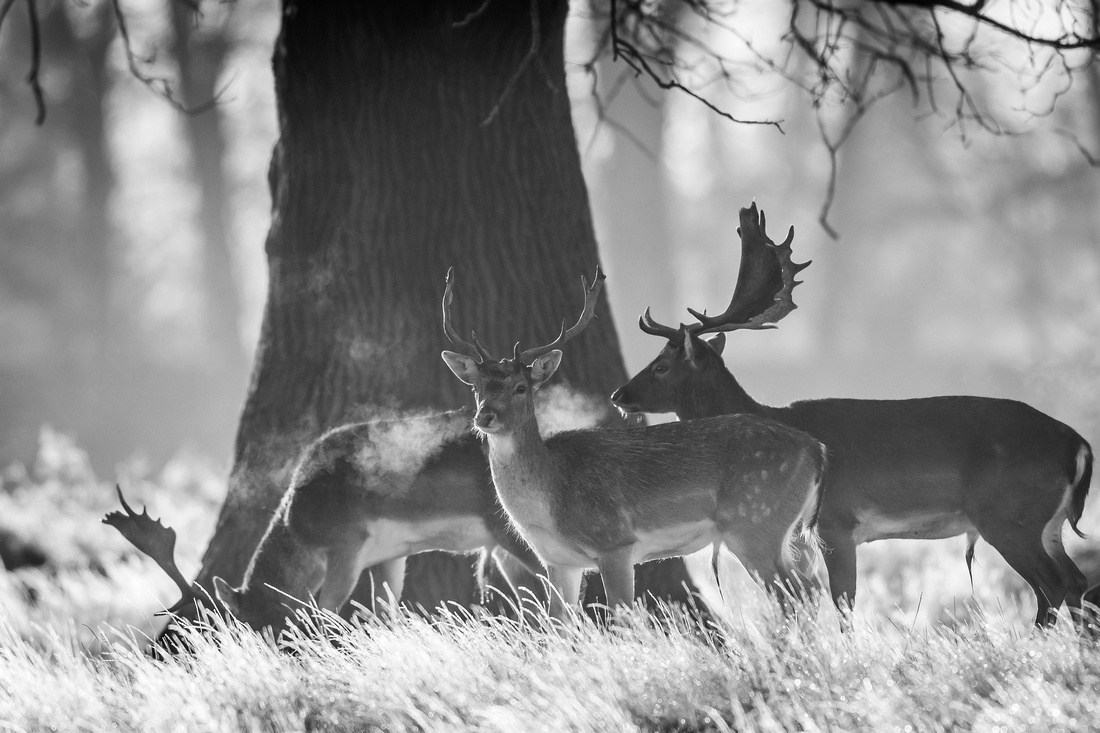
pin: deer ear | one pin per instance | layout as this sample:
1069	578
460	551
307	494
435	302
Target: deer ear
717	342
228	596
543	367
463	366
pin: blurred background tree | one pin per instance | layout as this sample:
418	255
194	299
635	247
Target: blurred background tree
132	277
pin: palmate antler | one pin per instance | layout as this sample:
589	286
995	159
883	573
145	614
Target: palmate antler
155	540
479	352
765	282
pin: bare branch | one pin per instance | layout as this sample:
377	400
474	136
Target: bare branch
160	85
1092	159
1068	41
532	53
641	62
36	61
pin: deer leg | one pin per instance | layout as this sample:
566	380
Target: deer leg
389	581
617	569
766	556
1028	557
1074	579
341	573
840	561
565	589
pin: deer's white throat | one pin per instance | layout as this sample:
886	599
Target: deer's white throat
502	447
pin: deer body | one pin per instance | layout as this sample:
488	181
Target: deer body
662	491
358	500
609	499
927	468
363	495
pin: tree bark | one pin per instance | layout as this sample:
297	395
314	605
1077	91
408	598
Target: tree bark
414	136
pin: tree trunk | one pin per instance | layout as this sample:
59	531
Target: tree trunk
414	136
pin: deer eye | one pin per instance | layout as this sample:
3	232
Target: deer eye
521	388
660	369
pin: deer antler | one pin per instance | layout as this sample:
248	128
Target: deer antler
764	282
650	326
474	350
591	295
155	540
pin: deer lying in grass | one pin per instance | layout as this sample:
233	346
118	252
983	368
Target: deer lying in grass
364	494
613	498
921	468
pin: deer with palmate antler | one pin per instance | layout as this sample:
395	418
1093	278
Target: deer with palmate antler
920	468
366	494
610	499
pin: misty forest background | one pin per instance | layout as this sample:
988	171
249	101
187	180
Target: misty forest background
132	270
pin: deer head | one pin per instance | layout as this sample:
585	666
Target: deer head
155	540
504	388
689	362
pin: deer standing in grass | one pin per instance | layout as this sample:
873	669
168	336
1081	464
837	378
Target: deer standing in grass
611	498
926	468
364	494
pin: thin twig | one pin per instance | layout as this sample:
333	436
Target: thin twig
532	52
36	62
472	15
1093	160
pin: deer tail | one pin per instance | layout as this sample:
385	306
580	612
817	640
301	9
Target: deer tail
1080	487
820	467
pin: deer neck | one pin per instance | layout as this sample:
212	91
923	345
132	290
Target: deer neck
723	396
520	459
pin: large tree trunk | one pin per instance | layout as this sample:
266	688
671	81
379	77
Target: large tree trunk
414	136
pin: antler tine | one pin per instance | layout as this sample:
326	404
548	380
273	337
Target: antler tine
467	348
591	295
481	350
650	326
764	282
155	540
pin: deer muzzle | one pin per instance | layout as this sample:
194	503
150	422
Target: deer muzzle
622	399
486	419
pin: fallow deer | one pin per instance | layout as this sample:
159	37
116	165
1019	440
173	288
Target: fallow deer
364	494
925	468
610	499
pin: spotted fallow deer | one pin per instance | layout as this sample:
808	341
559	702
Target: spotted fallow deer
926	468
364	494
610	498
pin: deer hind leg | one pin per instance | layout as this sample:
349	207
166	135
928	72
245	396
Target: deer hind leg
767	557
1074	579
1026	554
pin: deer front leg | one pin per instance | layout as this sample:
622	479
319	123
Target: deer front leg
341	573
565	589
389	582
840	561
617	569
